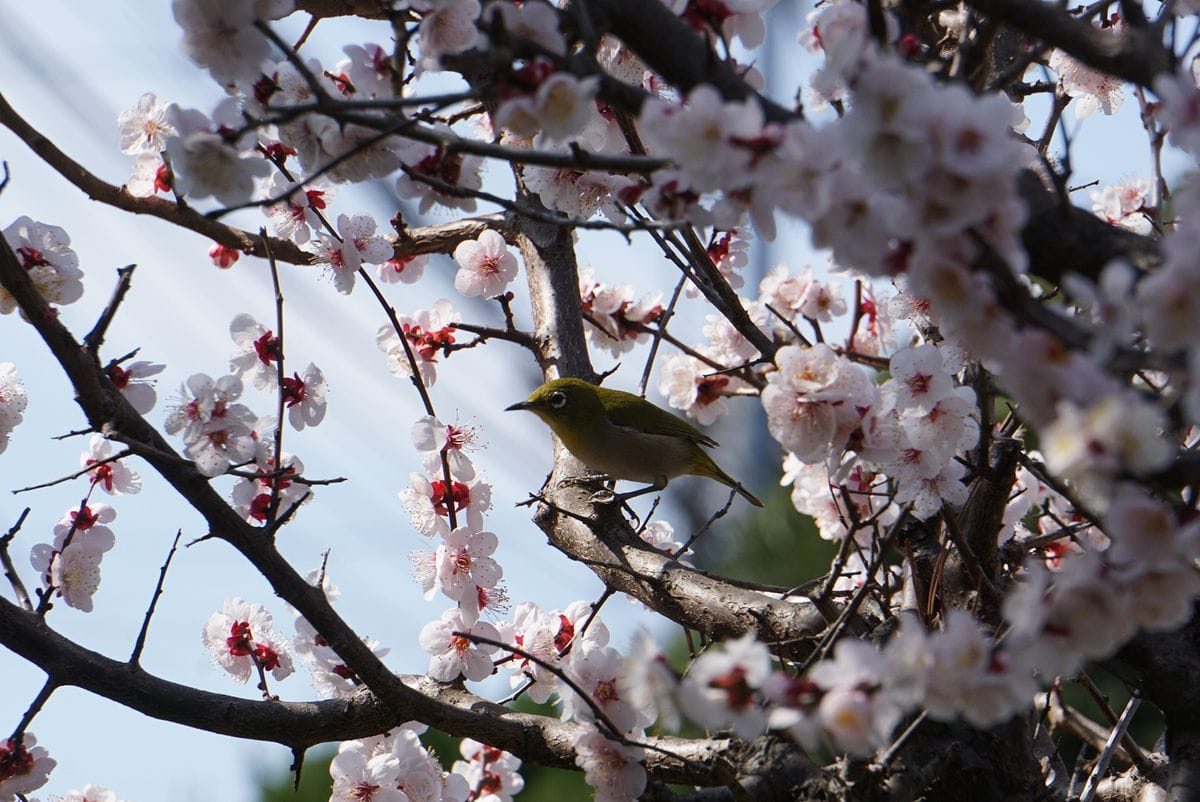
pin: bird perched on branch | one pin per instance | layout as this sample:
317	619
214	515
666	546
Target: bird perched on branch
625	436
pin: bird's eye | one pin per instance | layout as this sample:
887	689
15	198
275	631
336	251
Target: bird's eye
558	399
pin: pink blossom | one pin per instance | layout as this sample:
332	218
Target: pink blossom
613	770
13	401
144	128
27	766
356	243
722	687
403	269
114	477
434	439
454	655
241	636
45	253
134	383
485	265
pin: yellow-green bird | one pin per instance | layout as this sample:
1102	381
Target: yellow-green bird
625	436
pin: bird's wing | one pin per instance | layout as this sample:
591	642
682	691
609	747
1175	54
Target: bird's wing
625	408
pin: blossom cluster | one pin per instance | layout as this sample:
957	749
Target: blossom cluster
44	251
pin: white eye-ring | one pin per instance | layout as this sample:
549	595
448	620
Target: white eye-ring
558	399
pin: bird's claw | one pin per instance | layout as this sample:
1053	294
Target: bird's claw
605	496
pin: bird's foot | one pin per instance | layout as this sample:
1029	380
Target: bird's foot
605	496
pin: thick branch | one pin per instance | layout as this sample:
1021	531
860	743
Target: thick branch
1136	54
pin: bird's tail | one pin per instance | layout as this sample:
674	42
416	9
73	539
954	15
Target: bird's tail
713	471
746	494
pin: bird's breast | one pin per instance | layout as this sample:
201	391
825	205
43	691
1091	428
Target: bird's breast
625	453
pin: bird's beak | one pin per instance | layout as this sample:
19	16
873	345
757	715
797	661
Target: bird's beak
519	405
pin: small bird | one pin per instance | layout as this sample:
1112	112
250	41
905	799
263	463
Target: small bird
625	436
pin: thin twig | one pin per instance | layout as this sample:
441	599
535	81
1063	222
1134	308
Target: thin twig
140	643
1110	746
10	571
34	708
95	338
280	375
86	469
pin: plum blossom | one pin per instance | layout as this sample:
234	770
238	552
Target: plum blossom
660	535
25	766
1093	90
144	128
1119	431
689	386
536	634
70	566
612	769
815	400
223	256
252	498
722	687
331	678
368	71
355	244
72	573
438	166
13	401
578	193
447	26
559	107
485	265
463	563
403	269
362	775
204	161
241	636
215	430
489	769
801	295
429	503
451	655
599	672
45	253
134	383
650	683
221	35
434	439
919	378
90	793
853	713
259	354
1179	111
613	320
1121	204
113	477
740	19
298	215
304	397
428	332
150	176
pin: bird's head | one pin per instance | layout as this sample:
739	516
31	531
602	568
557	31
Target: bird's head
565	404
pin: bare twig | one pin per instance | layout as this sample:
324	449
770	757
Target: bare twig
140	642
10	571
95	338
